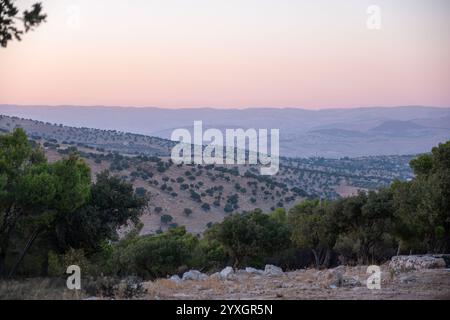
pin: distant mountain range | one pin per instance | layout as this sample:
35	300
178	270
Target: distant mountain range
331	133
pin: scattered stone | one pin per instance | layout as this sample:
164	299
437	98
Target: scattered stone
271	270
351	282
194	275
340	281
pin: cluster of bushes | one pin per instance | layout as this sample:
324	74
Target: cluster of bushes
366	228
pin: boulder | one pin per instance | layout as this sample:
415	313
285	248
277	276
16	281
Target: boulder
175	278
408	263
227	273
271	270
194	275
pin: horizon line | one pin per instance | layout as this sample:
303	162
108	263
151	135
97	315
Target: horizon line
220	108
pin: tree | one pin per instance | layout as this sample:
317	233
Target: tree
422	206
35	194
250	236
311	229
9	15
166	218
15	158
154	256
56	203
113	204
364	226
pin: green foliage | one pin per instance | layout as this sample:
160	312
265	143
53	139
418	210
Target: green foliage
70	220
9	14
422	206
311	229
54	204
250	237
155	255
112	204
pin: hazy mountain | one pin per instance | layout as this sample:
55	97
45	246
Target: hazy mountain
328	132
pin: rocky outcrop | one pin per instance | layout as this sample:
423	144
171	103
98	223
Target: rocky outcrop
417	262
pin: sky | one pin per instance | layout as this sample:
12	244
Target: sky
232	54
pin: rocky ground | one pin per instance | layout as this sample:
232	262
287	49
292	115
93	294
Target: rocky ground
405	277
397	282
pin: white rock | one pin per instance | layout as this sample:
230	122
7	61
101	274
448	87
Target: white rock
194	275
271	270
175	278
227	273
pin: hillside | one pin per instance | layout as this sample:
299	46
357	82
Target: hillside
330	133
111	140
197	195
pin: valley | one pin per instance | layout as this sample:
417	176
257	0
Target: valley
197	196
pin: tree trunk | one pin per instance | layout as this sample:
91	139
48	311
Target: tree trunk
399	248
236	262
2	264
24	252
326	261
316	258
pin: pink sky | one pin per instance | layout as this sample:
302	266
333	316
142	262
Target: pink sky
231	53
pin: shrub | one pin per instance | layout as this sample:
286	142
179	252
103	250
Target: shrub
166	218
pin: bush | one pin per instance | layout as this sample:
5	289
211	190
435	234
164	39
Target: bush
249	238
154	256
166	218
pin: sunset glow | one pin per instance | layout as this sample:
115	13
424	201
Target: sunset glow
231	53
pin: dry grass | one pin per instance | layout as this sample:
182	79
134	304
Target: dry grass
37	289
